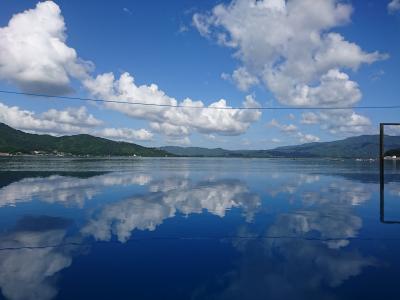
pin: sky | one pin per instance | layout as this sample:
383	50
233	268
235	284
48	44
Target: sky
207	54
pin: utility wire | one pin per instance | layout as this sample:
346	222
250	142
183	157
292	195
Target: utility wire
200	107
203	238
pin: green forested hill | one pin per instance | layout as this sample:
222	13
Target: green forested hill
364	146
197	151
392	152
13	141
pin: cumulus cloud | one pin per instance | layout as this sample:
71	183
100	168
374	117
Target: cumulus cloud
291	48
288	46
243	79
70	121
335	89
33	51
339	121
74	116
34	56
308	138
284	128
171	121
309	118
394	6
126	134
276	141
293	130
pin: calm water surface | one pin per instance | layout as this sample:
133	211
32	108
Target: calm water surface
198	229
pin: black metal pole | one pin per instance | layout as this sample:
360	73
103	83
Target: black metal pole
381	171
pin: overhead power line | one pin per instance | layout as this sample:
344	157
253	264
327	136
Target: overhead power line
138	103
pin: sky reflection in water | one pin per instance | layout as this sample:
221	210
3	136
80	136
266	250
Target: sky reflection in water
198	228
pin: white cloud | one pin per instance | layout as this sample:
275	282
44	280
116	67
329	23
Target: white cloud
290	47
375	76
293	130
126	134
170	130
339	121
68	121
335	89
34	56
169	120
127	10
308	138
183	28
48	123
74	116
225	76
282	127
394	6
210	137
33	53
289	128
243	79
200	22
392	129
309	118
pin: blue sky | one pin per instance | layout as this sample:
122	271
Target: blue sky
348	55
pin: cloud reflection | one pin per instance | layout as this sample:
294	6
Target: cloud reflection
281	183
289	266
65	189
30	273
168	198
309	253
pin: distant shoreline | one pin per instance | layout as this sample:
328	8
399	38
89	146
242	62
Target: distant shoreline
105	157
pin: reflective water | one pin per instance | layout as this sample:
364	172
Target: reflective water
198	229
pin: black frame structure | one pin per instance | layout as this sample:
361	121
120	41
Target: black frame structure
382	171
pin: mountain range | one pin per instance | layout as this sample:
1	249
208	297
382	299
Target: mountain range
364	146
15	141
